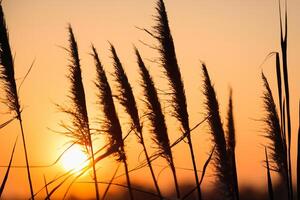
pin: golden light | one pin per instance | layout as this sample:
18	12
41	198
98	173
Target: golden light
74	159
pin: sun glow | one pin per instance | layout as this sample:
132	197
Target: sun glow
74	159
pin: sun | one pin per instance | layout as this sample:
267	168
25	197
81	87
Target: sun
74	159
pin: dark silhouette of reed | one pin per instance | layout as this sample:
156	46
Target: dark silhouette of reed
270	186
156	118
80	131
278	127
169	63
283	43
231	141
273	132
222	166
110	124
277	122
127	100
7	77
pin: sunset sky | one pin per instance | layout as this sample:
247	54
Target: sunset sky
232	37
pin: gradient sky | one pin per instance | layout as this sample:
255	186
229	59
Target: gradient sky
232	37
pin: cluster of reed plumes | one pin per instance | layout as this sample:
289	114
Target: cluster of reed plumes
222	156
278	123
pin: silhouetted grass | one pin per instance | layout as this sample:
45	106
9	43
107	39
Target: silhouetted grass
169	63
283	42
127	100
156	118
270	186
7	78
7	170
273	133
80	131
298	156
277	125
223	170
110	124
231	141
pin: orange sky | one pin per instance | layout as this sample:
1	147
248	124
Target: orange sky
231	37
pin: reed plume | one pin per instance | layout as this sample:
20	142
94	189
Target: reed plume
231	142
273	132
169	63
80	131
110	124
218	137
127	100
125	94
7	77
156	118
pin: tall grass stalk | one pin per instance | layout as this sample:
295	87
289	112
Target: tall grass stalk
156	118
231	142
169	63
279	88
223	170
127	100
80	132
283	42
7	77
110	124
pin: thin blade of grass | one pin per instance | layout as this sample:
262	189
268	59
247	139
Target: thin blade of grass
279	87
70	172
133	188
298	158
202	175
157	155
8	169
7	122
46	187
270	187
110	182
